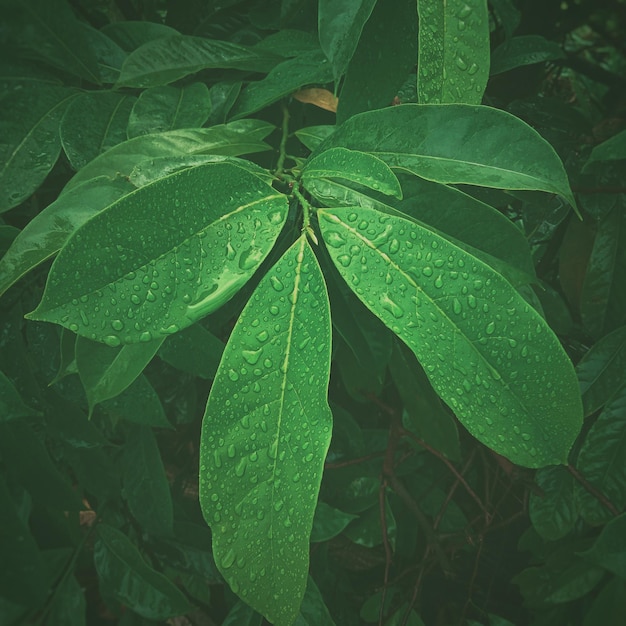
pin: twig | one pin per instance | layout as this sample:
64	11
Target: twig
283	142
598	495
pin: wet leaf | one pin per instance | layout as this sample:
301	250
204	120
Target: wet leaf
265	435
524	50
487	353
124	285
453	56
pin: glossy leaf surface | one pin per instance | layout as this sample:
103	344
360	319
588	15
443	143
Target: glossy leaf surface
120	285
265	434
453	53
486	352
457	143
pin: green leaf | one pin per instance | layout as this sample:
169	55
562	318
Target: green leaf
265	435
93	123
609	605
453	55
289	43
381	62
48	231
243	615
68	607
489	355
11	404
507	15
398	618
129	35
602	461
105	372
165	60
125	575
145	484
553	512
457	143
312	136
602	371
109	56
357	167
329	522
29	127
367	529
120	285
160	109
284	79
613	149
313	611
609	549
524	50
232	139
339	24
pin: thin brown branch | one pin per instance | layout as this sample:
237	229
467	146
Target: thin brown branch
598	495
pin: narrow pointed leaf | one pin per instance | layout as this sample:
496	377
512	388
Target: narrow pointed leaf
265	435
117	284
453	57
457	143
487	353
357	167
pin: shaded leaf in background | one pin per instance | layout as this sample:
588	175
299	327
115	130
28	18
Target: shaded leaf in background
524	50
131	34
313	611
613	149
266	431
313	136
609	549
243	614
453	51
464	323
11	404
328	522
553	511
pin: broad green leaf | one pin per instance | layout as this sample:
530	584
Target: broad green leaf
487	353
457	143
105	372
145	484
313	611
312	136
125	574
553	512
223	96
602	461
48	231
507	15
381	62
339	25
11	404
129	35
109	56
284	79
93	123
329	522
613	149
196	244
609	549
357	167
289	43
165	60
29	127
53	35
603	298
232	139
265	435
160	109
453	51
23	578
524	50
602	371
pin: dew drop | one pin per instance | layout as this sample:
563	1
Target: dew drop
252	356
229	559
276	283
117	324
491	327
112	341
335	239
232	374
439	282
389	305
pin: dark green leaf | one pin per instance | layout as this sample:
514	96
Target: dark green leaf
613	149
11	404
242	615
120	285
609	606
312	136
68	606
313	611
483	348
609	549
367	529
553	511
265	435
329	522
109	56
125	575
524	50
289	43
507	15
453	54
129	35
399	619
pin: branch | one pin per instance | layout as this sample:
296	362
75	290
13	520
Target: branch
598	495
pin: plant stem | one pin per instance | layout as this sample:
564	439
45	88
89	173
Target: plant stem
598	495
283	142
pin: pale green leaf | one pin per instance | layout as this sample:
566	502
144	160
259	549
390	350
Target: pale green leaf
524	50
265	435
160	109
357	167
457	143
453	51
118	285
487	353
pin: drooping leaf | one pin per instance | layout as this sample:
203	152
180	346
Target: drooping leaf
105	372
126	576
524	50
160	109
232	139
602	461
265	434
457	143
357	167
453	54
48	231
93	123
602	371
339	24
489	355
380	63
29	127
553	512
329	522
165	60
121	285
613	149
145	485
11	404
